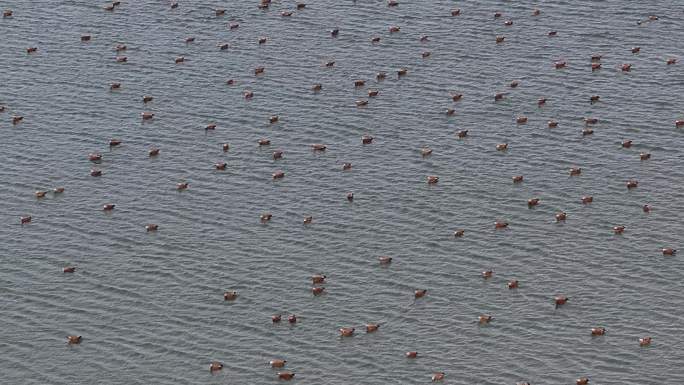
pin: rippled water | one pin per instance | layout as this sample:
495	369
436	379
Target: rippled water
149	305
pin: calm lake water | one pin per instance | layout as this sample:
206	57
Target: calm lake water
150	306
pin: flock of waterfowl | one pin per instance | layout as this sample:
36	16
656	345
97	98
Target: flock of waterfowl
593	63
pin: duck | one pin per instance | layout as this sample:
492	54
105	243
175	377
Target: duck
626	67
536	12
459	233
626	143
225	147
425	151
587	199
373	93
85	38
286	13
679	123
552	33
500	225
180	59
671	61
455	12
644	341
292	319
182	186
401	72
40	194
276	318
301	5
561	216
317	87
598	331
215	366
25	220
220	12
318	278
432	179
596	58
147	99
17	119
346	166
595	67
152	227
220	165
230	295
540	102
273	119
114	143
514	84
287	376
392	3
669	251
95	172
7	13
484	319
498	97
317	290
73	340
502	147
58	190
411	354
278	175
439	376
147	115
420	293
222	46
424	38
153	152
371	328
513	284
189	40
264	142
115	86
94	157
394	28
582	381
334	32
450	111
587	131
594	98
560	64
69	269
646	208
500	39
350	196
108	207
487	274
561	300
385	260
644	156
319	147
462	134
277	363
259	70
347	332
552	124
532	202
425	54
121	59
575	171
632	184
380	76
521	120
518	179
262	40
329	63
508	23
361	103
265	217
636	49
278	154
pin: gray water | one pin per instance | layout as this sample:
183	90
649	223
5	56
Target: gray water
150	306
